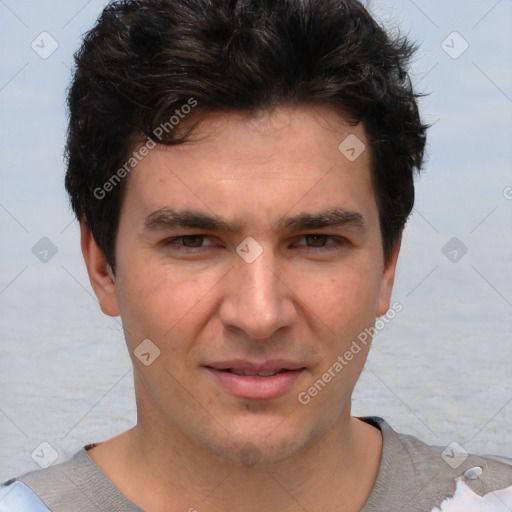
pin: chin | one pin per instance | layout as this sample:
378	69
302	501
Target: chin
253	453
257	443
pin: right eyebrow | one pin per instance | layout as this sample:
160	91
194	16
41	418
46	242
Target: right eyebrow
169	218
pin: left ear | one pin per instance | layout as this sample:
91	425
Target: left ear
388	279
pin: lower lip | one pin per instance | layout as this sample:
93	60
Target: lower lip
254	387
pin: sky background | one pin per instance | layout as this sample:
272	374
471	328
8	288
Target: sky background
440	370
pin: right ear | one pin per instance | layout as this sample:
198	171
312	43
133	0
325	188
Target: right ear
100	273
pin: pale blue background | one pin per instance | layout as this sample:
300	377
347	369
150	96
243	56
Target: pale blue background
440	370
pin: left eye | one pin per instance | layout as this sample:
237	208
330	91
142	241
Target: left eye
315	241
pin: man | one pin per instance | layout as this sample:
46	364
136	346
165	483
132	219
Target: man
242	172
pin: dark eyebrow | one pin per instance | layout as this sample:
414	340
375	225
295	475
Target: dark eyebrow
335	218
169	218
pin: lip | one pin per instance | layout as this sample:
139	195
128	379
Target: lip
255	387
267	366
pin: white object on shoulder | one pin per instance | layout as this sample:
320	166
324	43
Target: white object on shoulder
18	497
465	500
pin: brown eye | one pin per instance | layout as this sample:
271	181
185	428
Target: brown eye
316	240
192	240
188	242
318	243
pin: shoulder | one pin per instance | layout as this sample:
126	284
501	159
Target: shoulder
15	496
453	461
58	487
425	477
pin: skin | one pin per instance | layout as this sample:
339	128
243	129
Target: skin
305	298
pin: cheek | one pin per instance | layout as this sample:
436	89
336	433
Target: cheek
347	301
155	301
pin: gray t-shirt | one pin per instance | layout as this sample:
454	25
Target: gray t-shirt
412	477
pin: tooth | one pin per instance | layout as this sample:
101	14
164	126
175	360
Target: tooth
249	373
243	372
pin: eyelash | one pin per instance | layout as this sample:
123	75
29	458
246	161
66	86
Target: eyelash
339	242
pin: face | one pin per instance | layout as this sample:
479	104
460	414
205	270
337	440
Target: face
254	248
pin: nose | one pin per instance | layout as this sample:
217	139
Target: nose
257	300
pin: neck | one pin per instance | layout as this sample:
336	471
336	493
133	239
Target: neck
153	467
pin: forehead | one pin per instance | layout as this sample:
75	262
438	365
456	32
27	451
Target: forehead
265	161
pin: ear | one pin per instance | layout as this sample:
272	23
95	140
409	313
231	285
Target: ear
388	279
100	273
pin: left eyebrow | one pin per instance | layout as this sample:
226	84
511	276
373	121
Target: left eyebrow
335	218
166	218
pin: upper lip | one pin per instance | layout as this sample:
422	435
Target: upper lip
267	366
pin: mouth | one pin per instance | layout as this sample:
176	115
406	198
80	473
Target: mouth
250	373
258	382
